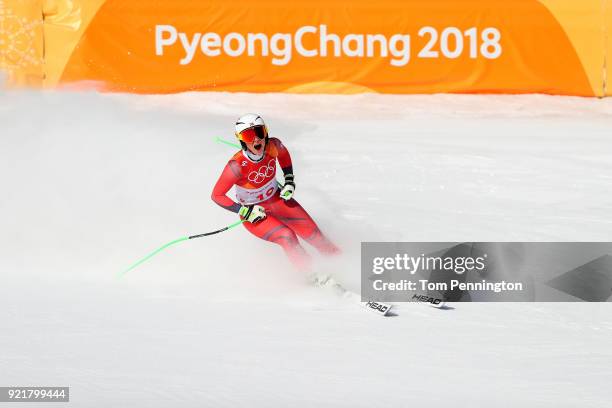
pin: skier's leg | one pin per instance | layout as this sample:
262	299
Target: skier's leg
292	214
273	230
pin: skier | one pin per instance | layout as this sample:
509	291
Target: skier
270	214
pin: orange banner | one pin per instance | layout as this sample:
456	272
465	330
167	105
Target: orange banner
21	42
468	46
608	48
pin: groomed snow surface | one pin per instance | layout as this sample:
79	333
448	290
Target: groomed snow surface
91	183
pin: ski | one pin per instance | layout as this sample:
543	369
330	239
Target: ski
432	301
380	308
329	283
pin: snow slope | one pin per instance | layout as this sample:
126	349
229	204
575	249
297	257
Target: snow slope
93	182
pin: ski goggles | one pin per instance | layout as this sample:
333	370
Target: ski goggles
249	135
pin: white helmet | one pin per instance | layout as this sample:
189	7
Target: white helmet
250	121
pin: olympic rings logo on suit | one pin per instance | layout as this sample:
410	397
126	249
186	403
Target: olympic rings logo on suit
263	172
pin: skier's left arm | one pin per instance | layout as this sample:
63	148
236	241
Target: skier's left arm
284	160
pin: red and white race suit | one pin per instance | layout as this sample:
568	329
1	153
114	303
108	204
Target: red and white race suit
256	183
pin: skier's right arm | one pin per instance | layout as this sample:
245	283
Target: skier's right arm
229	177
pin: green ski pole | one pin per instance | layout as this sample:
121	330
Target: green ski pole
176	241
219	140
